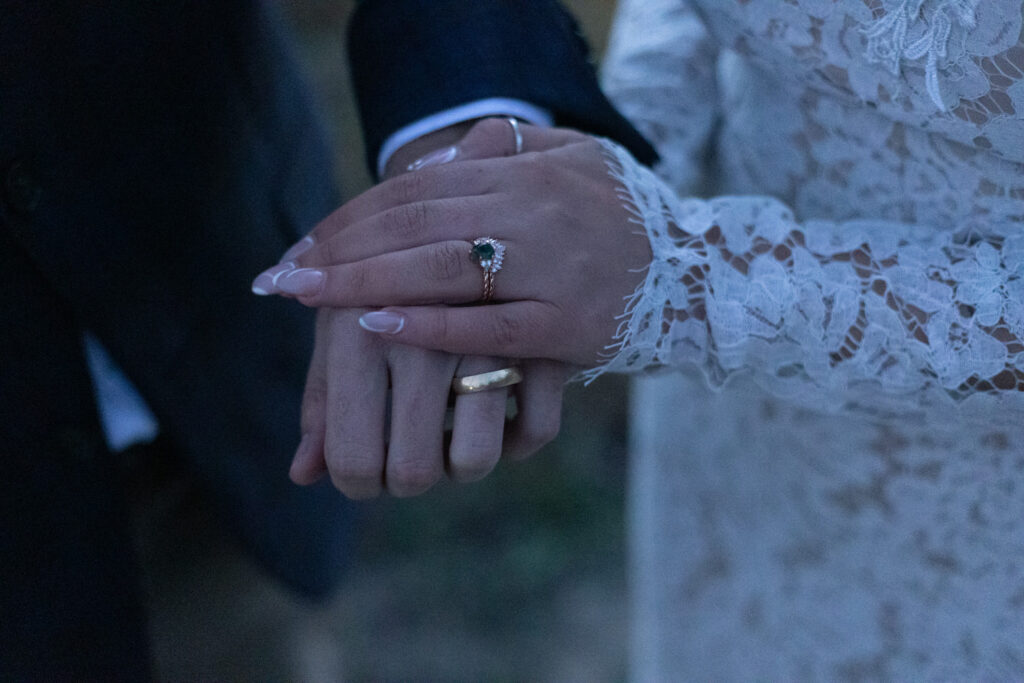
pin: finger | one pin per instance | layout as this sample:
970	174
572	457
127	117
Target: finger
419	399
394	217
404	227
356	405
479	425
308	465
490	139
443	272
496	136
457	180
539	397
487	139
521	329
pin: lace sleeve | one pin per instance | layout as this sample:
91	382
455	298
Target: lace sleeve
862	314
660	72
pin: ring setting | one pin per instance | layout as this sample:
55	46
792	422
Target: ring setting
490	254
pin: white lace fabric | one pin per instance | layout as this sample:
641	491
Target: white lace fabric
896	271
830	485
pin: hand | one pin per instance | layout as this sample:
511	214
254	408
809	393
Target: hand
345	403
573	254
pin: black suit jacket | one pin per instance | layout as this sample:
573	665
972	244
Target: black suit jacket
411	58
154	156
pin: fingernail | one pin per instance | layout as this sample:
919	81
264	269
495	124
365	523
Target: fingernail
302	282
266	282
435	158
300	247
382	322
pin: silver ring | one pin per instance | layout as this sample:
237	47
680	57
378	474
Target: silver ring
512	121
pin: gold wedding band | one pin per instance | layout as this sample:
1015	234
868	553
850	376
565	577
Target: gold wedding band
496	379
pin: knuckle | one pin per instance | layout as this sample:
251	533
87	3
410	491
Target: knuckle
334	250
443	327
506	330
314	401
330	225
353	469
480	445
356	477
357	278
409	188
408	220
353	464
411	478
475	459
445	261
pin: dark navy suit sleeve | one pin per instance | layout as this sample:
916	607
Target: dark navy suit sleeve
413	58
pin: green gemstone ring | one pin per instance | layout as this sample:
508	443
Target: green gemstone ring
489	253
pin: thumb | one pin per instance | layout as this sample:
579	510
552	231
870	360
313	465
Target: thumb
520	329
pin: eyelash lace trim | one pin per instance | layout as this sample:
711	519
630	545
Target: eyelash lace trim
919	29
867	315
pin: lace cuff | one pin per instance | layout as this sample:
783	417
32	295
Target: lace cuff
871	314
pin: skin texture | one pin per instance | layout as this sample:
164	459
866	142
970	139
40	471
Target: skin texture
573	254
346	433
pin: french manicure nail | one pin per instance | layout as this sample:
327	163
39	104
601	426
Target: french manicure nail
302	282
435	158
382	322
266	282
300	247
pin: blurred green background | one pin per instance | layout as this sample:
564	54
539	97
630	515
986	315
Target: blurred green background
517	577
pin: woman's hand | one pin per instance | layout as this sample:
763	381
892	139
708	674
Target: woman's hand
572	253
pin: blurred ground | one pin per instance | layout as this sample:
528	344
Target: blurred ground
518	577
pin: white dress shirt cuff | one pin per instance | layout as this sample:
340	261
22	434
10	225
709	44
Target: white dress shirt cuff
492	106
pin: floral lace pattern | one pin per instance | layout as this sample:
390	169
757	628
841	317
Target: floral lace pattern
852	291
891	37
871	314
904	273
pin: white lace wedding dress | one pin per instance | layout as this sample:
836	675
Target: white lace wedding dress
829	483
